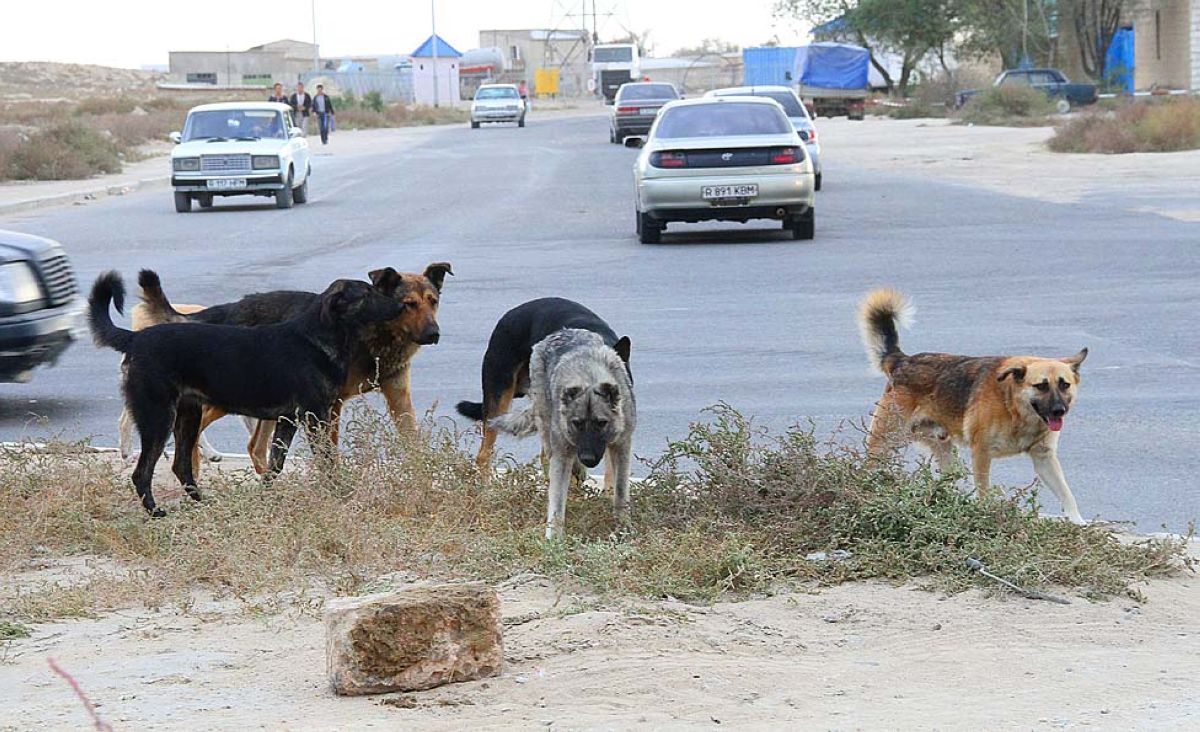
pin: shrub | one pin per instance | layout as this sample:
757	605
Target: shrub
68	150
373	101
1007	105
1157	126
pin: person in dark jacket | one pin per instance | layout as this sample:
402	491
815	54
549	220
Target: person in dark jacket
322	106
278	96
301	103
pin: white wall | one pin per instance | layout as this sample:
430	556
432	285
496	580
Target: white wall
447	81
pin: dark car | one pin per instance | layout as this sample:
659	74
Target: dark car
1052	82
39	304
636	106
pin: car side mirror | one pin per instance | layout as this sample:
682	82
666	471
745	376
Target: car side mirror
635	142
175	137
295	132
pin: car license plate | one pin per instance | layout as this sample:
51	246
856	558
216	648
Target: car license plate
716	193
226	184
649	110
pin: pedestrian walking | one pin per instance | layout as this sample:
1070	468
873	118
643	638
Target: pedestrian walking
322	106
524	92
301	103
277	95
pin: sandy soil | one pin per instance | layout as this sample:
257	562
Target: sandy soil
865	656
1015	161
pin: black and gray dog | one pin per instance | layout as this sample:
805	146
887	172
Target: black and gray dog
506	361
290	371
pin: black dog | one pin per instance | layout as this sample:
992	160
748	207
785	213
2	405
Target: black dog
506	361
292	371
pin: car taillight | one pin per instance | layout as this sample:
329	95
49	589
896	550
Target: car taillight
627	110
668	159
786	156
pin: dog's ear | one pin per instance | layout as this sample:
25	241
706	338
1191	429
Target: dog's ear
622	347
339	299
571	393
1017	372
610	393
1075	361
386	280
436	273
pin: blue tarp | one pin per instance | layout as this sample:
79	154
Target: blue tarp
835	66
1118	62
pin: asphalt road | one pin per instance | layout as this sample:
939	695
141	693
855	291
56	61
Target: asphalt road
740	314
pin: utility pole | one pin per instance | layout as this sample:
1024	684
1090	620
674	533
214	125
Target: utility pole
433	26
316	53
1025	33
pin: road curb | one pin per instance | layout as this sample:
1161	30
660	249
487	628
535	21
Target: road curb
83	195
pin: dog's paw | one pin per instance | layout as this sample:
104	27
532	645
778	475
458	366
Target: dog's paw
215	457
156	512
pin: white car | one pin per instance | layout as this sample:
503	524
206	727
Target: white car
497	103
723	159
793	108
239	149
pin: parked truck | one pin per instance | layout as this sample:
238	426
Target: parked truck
614	64
831	78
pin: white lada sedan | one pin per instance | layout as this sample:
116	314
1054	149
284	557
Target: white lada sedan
723	159
239	149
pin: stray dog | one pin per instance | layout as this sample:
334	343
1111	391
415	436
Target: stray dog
997	405
506	361
142	318
584	409
291	371
381	356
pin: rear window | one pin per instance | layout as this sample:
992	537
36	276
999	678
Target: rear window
791	107
719	120
647	91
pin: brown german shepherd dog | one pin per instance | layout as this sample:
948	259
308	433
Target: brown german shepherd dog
996	405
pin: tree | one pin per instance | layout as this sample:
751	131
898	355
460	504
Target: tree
706	47
1009	29
1096	22
908	28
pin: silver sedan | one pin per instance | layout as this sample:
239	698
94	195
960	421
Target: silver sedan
723	159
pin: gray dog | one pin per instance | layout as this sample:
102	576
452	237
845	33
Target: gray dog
582	405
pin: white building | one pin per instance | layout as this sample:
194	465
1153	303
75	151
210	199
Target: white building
435	75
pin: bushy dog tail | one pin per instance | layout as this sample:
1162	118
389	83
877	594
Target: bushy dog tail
471	410
521	424
878	315
108	289
159	308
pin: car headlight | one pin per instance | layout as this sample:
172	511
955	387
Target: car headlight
18	283
186	164
265	162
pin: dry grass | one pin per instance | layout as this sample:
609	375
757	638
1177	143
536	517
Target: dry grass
1008	106
727	511
397	115
1159	126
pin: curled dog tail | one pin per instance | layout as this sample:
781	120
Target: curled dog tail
108	289
471	410
158	307
878	315
521	424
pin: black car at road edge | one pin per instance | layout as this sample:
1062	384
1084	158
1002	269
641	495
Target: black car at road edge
40	307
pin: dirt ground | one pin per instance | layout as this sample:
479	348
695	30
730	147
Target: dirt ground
862	656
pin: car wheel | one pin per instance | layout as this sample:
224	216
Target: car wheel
183	202
521	121
300	193
649	230
474	125
817	182
1062	106
283	197
612	135
804	227
205	200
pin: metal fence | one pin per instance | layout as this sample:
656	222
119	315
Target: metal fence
393	86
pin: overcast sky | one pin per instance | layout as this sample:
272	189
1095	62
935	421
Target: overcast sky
132	33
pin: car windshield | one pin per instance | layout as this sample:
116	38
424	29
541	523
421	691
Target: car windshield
496	92
787	100
721	119
234	124
646	91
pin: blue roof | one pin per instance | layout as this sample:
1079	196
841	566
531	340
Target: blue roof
444	50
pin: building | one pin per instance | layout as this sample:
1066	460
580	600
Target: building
529	49
1166	44
282	61
435	69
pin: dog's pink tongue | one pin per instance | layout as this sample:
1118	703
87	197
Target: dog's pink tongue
1055	423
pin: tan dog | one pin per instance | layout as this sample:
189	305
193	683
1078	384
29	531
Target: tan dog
381	358
997	405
